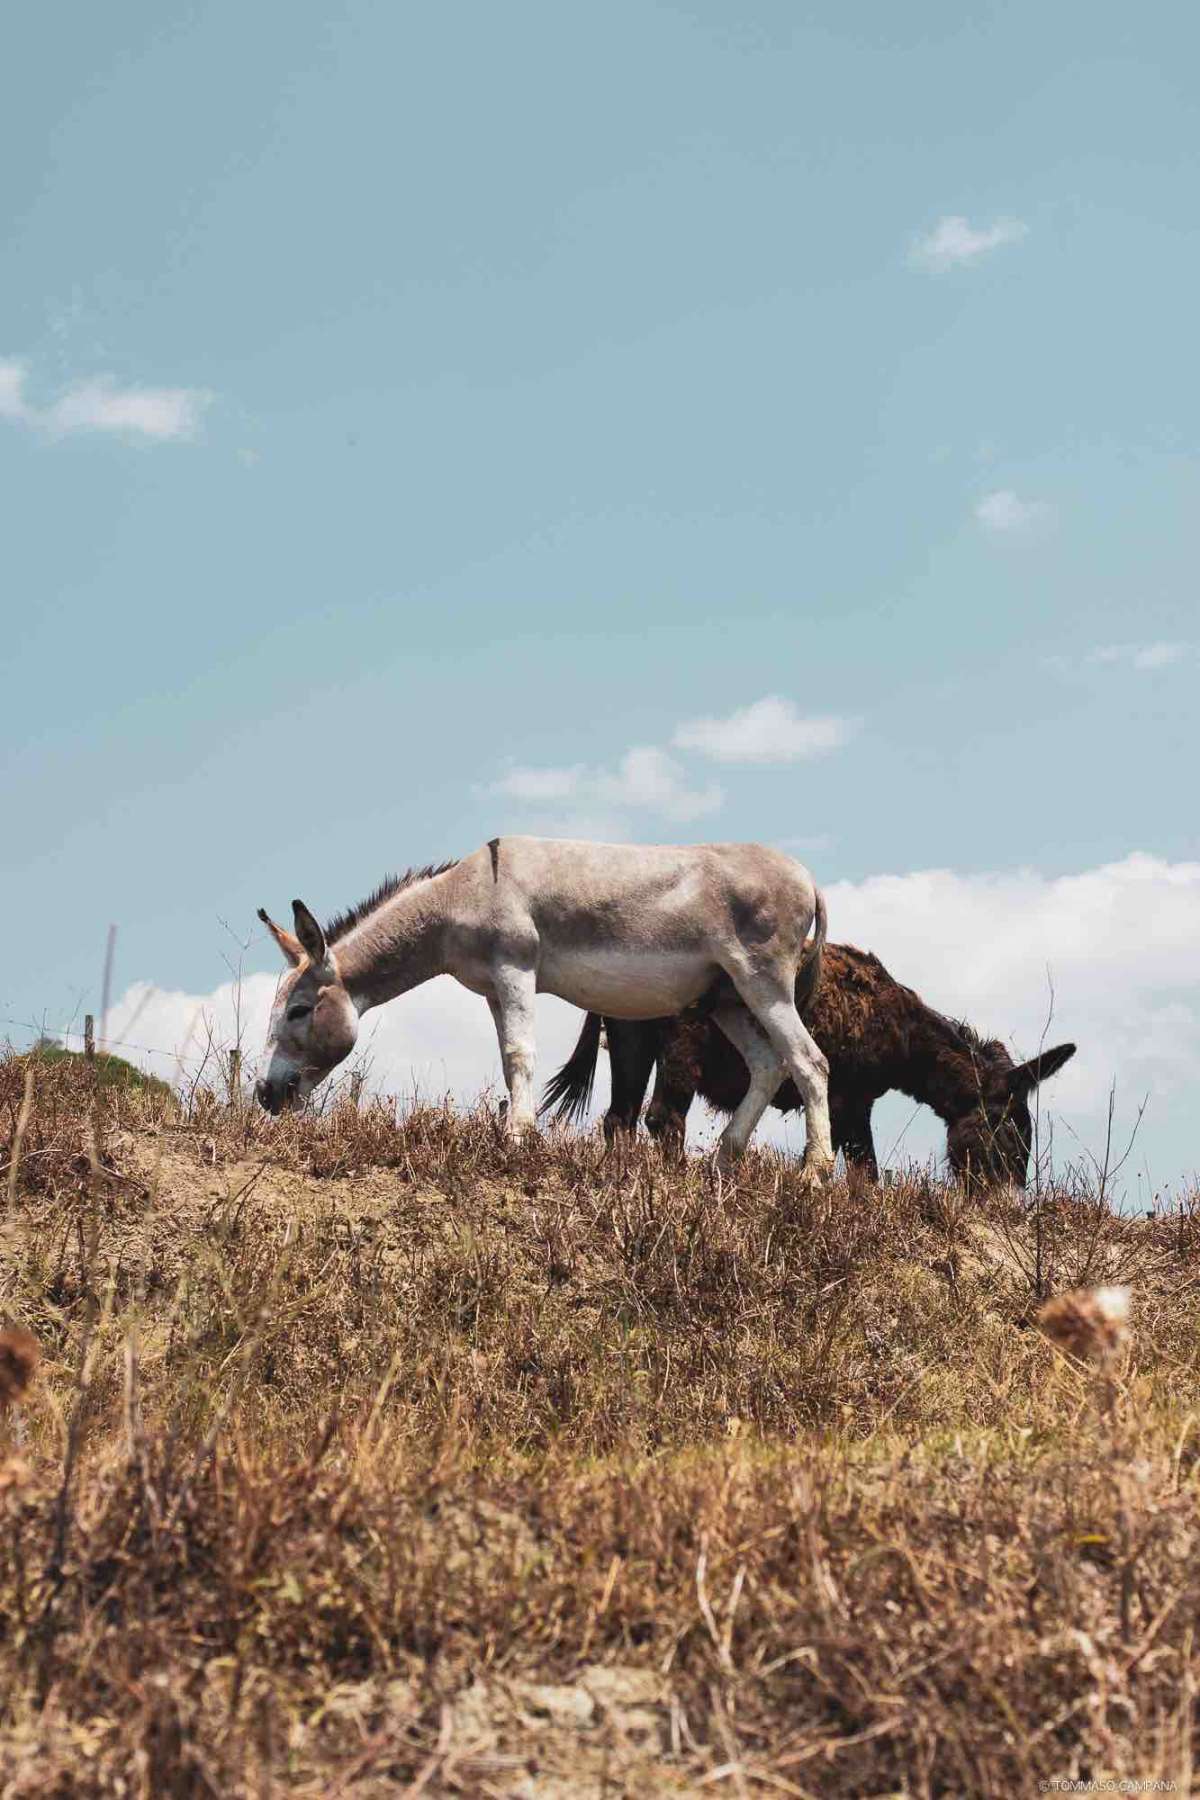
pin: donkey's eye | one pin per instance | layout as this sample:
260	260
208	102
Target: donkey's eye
298	1012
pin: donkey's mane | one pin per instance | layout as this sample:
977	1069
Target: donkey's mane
992	1048
344	922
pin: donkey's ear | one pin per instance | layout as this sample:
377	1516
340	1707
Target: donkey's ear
312	938
1026	1076
287	943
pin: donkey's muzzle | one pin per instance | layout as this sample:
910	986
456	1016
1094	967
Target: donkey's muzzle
276	1096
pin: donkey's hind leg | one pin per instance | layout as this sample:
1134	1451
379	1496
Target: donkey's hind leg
680	1056
773	1003
850	1118
632	1048
512	1007
763	1063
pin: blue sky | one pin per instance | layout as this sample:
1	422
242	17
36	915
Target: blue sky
405	413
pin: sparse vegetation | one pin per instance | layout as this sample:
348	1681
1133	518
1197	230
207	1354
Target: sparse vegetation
110	1071
373	1456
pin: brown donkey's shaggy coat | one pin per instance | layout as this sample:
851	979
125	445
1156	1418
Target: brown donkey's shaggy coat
877	1034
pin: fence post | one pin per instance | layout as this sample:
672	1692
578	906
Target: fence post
235	1078
89	1037
357	1078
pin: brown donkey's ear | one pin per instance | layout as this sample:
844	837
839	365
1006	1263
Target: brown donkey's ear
312	938
1026	1076
287	943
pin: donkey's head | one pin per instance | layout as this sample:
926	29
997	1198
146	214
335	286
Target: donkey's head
314	1022
990	1142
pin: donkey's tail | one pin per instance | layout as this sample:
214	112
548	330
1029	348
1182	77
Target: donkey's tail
569	1092
808	975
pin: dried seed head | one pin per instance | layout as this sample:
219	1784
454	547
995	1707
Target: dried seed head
14	1475
19	1355
1089	1323
1113	1303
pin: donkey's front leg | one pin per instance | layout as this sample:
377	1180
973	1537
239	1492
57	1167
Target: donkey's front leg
512	1004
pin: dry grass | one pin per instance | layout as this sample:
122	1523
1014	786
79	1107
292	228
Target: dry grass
370	1457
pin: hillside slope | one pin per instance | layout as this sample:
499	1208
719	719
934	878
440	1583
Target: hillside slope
370	1457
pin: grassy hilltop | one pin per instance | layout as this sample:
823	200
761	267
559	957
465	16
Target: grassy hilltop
374	1457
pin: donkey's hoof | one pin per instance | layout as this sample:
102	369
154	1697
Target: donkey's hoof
817	1171
518	1127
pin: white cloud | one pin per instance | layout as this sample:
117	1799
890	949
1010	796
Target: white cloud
160	415
1158	655
598	802
540	785
100	405
435	1042
768	731
646	779
1005	514
12	390
1120	943
954	242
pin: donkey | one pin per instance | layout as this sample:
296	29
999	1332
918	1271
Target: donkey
877	1034
629	930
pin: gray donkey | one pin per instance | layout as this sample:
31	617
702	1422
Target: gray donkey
633	931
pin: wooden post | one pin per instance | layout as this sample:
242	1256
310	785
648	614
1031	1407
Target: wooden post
89	1037
235	1077
357	1078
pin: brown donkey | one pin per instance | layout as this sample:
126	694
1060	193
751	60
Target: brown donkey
877	1035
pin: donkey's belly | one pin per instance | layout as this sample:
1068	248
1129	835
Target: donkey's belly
625	984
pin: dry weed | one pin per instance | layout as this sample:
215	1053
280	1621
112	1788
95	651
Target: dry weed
374	1454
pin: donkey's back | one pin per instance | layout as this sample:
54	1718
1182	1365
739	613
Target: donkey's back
673	894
